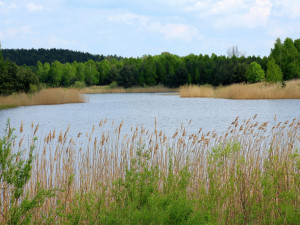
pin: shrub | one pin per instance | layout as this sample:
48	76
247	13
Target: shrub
255	73
113	84
79	85
15	172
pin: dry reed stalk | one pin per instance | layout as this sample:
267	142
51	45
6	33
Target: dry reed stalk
48	96
253	150
245	91
187	91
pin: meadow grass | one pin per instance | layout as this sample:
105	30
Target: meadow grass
48	96
249	174
291	90
108	89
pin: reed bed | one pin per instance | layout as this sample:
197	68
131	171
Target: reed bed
48	96
245	91
107	89
247	175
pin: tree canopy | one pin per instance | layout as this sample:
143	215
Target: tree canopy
44	67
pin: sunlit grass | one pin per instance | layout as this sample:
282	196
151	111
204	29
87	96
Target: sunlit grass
247	175
291	90
48	96
108	89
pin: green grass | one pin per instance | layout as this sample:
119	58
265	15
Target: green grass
7	106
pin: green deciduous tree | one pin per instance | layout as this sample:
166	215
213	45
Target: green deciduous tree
273	72
255	73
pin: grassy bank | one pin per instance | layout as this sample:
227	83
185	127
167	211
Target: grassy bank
108	89
248	175
291	90
48	96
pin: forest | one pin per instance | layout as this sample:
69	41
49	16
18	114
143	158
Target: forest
29	70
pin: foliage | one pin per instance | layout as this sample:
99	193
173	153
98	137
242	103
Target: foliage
113	84
15	173
57	67
255	73
79	85
274	72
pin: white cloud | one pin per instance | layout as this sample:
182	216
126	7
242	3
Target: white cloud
288	8
169	31
7	7
177	31
129	18
23	30
32	7
257	16
233	13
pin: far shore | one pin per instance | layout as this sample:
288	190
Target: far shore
263	90
52	96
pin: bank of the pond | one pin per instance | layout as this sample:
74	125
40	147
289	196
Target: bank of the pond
49	96
108	89
288	90
52	96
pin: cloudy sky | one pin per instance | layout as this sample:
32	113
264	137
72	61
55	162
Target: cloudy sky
135	27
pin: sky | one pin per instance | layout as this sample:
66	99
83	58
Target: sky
133	28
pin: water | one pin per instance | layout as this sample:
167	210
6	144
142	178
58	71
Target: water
170	112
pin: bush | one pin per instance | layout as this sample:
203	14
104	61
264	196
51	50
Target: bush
113	84
79	85
15	172
255	73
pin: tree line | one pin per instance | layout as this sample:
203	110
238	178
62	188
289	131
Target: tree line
30	57
167	69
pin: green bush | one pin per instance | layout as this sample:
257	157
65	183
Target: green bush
255	73
79	85
15	172
113	84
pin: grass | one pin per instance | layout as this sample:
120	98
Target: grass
245	91
108	89
248	175
48	96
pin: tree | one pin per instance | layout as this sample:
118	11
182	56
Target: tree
277	52
91	74
234	52
290	55
273	72
239	73
55	74
255	73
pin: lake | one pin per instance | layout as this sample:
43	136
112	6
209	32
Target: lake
170	112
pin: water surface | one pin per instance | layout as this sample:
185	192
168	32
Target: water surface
170	112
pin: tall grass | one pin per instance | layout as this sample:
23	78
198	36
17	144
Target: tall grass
108	89
245	91
48	96
248	175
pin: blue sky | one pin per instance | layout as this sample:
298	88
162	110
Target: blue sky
136	28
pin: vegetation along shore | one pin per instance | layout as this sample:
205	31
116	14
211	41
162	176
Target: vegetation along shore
32	70
247	175
287	90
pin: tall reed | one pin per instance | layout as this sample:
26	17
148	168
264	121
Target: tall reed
48	96
245	91
247	175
